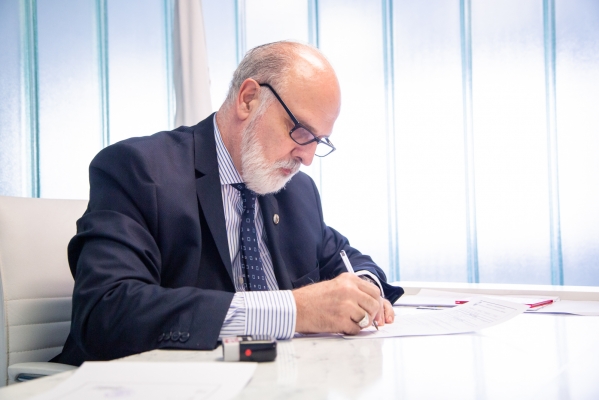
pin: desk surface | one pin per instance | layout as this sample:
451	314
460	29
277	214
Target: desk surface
529	357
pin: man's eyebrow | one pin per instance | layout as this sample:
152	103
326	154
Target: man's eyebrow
311	129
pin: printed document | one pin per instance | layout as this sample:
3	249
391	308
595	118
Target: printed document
153	380
479	313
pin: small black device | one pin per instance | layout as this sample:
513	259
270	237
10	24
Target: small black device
249	348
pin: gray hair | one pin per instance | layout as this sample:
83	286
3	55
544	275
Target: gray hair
269	63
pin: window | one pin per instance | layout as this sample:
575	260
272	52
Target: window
467	142
79	75
480	162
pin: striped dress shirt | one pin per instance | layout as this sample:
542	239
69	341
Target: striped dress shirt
269	312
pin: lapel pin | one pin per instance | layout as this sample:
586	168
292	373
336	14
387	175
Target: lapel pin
275	219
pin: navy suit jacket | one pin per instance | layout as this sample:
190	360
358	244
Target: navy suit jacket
151	259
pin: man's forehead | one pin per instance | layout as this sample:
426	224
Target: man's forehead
311	91
309	62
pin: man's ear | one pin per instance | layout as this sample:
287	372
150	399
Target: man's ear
247	98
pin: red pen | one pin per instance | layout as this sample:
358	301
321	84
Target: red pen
540	303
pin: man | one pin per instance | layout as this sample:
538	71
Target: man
200	233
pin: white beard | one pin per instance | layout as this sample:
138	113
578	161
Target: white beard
259	175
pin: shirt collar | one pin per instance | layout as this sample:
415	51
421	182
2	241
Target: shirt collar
226	169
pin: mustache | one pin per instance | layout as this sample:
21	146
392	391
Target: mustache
291	164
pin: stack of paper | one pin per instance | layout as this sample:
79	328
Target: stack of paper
536	304
438	298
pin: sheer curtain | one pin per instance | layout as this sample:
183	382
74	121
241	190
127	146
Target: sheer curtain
191	77
79	75
468	136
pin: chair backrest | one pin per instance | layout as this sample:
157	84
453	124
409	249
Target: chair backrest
36	285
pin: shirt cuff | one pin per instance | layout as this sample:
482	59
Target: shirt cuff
374	278
270	313
261	313
234	323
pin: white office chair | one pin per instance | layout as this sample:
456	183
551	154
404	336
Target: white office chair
35	284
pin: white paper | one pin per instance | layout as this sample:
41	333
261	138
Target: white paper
477	314
153	380
439	298
426	301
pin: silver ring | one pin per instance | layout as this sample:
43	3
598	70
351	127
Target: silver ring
364	322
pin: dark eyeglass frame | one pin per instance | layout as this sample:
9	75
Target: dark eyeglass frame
298	125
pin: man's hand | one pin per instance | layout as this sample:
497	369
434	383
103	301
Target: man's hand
339	304
386	313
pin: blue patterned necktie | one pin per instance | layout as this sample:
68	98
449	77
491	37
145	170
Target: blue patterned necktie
251	263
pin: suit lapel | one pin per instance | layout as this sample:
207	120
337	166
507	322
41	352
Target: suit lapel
208	188
270	207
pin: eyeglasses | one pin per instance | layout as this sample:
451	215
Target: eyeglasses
302	135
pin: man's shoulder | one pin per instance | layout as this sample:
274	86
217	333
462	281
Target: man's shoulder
155	158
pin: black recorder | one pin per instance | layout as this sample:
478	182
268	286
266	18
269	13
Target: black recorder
255	348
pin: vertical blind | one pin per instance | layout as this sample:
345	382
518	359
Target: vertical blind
467	137
467	141
77	76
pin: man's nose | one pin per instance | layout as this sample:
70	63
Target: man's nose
305	153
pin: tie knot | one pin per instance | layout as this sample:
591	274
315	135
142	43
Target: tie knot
239	186
248	197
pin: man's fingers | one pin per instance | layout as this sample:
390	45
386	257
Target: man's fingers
351	328
370	305
377	314
389	313
380	317
369	288
357	314
352	325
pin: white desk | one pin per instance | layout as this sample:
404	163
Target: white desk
530	357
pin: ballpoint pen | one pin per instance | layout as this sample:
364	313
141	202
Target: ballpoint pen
350	269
